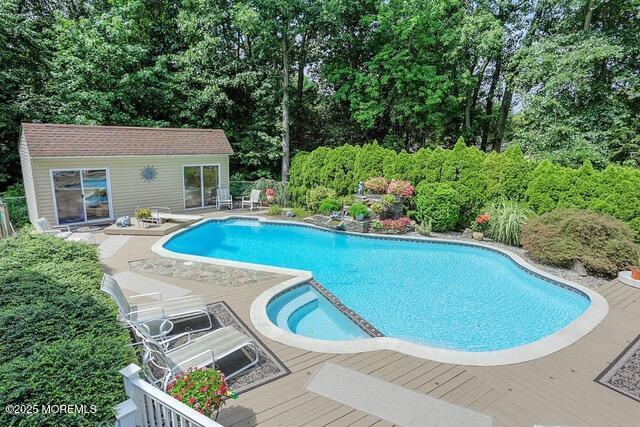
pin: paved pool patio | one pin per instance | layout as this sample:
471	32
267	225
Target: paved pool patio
558	389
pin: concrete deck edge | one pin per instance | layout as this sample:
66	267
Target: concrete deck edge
560	339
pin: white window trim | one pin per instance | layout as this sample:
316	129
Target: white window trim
184	193
55	205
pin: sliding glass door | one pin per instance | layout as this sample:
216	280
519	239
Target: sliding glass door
200	185
81	195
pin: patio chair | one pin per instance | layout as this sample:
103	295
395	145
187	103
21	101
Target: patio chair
224	198
43	226
253	199
157	314
198	352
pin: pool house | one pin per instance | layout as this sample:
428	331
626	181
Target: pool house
94	174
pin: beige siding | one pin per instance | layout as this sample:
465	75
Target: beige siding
27	179
128	189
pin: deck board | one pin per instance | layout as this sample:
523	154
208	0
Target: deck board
557	389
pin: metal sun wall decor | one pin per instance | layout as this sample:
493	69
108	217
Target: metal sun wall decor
149	173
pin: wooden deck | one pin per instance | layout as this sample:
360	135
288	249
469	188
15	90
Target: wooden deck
555	390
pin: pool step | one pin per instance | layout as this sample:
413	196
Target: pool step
283	316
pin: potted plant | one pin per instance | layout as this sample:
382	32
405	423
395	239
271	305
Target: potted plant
271	194
203	389
635	270
358	211
479	226
143	215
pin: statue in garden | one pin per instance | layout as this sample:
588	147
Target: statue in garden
360	188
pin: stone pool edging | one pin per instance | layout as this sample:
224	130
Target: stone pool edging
562	338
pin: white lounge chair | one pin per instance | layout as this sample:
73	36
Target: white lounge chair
224	198
43	226
156	313
159	215
252	200
197	352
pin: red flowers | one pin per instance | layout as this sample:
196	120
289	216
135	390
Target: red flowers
481	219
400	187
396	224
376	184
270	192
203	389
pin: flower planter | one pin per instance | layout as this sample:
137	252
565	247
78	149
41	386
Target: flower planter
360	217
478	235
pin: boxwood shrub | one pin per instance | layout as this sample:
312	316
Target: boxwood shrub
438	203
60	340
602	243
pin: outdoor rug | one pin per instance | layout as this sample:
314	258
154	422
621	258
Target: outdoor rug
391	402
268	369
623	374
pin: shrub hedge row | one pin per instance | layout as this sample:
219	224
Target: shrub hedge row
477	178
60	340
603	244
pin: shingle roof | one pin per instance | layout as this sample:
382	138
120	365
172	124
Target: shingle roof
54	140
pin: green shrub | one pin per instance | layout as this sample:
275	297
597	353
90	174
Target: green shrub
505	220
508	174
358	209
274	210
438	202
464	169
300	213
60	340
316	195
602	243
329	205
424	227
388	200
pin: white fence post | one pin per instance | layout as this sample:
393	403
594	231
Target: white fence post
130	374
150	407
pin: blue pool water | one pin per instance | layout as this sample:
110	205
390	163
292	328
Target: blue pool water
443	295
305	311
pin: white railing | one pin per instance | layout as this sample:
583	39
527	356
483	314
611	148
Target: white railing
150	407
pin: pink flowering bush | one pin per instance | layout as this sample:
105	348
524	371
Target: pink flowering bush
376	184
396	224
400	187
203	389
270	192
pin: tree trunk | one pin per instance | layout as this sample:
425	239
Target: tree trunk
502	119
473	97
301	65
285	109
486	128
589	15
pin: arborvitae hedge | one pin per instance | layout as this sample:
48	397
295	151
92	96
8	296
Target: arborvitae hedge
477	177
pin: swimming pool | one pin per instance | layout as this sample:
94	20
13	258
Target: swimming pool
447	296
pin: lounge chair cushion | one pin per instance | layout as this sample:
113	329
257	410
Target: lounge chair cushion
176	307
221	342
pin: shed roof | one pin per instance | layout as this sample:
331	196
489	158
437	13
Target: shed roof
57	140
